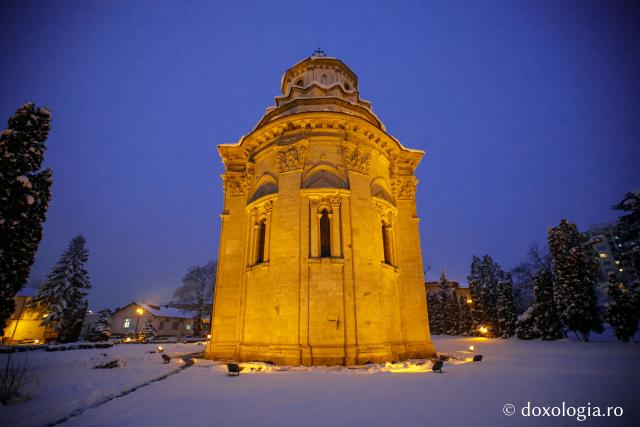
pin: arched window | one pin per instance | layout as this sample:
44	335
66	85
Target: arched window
260	234
325	234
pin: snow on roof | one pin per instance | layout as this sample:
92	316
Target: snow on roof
166	311
28	292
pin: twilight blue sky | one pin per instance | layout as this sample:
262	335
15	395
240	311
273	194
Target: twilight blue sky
528	111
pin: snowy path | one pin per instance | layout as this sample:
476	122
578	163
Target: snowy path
188	362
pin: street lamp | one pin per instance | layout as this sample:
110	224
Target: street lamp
139	311
469	300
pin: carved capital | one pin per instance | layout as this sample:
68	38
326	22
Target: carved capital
268	207
404	188
336	202
236	183
356	159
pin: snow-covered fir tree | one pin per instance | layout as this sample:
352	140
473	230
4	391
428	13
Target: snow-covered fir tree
25	191
505	309
622	311
574	271
101	329
483	281
434	306
62	297
477	293
466	323
541	319
448	306
148	333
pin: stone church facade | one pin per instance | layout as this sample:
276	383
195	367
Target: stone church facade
319	260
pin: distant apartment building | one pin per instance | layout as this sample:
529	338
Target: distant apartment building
168	321
608	251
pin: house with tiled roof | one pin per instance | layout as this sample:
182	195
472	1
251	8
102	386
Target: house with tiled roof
167	320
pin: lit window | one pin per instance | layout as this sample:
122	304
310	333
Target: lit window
603	255
621	270
127	322
188	326
617	262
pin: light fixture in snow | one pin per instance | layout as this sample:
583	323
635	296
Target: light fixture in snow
160	349
483	329
471	348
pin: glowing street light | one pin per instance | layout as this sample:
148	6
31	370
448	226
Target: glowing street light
139	311
209	336
469	300
483	329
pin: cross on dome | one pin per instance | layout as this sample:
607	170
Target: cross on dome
319	52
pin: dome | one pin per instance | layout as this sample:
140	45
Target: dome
320	83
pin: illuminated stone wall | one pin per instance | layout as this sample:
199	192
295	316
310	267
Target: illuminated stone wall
319	259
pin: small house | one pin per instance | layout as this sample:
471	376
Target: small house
168	321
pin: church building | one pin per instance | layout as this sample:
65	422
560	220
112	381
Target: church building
319	259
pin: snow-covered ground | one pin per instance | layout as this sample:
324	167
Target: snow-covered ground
597	374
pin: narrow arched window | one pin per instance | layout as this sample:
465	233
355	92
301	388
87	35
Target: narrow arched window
261	229
325	234
386	244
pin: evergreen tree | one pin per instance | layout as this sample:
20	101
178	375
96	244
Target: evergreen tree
505	310
546	314
148	333
623	309
436	314
477	293
448	306
574	270
101	330
466	322
431	311
541	319
62	295
25	191
483	281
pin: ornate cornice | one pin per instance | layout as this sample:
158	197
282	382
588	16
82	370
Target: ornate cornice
310	124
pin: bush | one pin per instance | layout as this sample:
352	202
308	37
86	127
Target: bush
13	377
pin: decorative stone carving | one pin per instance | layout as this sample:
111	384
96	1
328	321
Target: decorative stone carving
268	207
356	160
404	188
291	159
335	202
236	183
